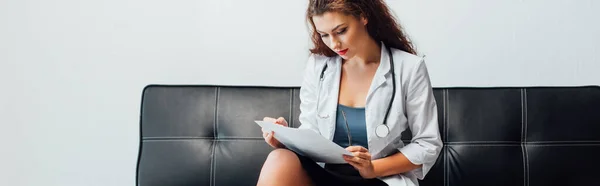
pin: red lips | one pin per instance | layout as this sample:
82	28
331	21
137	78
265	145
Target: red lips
342	52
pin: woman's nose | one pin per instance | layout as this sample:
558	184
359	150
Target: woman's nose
335	43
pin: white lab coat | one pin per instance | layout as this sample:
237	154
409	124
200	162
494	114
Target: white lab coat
414	107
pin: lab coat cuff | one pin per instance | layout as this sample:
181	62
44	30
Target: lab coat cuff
417	155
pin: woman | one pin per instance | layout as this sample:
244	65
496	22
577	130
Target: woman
350	76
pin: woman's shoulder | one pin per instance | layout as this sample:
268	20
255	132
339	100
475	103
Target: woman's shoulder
409	67
319	58
406	59
317	62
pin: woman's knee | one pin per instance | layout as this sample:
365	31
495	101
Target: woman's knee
283	157
283	167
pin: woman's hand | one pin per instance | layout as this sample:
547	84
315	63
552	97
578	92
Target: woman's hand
269	135
361	161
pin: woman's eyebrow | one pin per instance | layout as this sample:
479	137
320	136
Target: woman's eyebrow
336	27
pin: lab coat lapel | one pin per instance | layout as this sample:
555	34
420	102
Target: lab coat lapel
382	70
332	84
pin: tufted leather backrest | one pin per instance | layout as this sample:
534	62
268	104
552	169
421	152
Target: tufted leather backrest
530	136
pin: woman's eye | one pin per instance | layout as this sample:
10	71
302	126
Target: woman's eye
342	31
324	35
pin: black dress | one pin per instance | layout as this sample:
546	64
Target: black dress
335	174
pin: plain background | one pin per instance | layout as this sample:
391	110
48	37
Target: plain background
72	71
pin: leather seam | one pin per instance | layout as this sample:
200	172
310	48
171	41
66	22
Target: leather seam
175	138
526	161
518	144
213	164
524	153
214	143
527	143
240	139
291	122
522	117
202	138
486	142
446	166
524	137
446	115
486	145
215	124
571	142
445	96
567	145
525	119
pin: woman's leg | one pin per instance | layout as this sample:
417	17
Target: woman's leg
283	167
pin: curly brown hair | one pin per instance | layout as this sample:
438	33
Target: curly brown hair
382	26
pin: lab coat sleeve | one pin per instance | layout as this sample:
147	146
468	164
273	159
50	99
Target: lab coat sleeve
308	96
421	111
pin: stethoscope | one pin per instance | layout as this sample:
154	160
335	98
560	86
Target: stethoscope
382	130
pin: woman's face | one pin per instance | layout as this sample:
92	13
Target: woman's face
342	33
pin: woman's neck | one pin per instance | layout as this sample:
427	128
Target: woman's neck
369	53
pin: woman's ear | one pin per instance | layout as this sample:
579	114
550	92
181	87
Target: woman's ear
364	20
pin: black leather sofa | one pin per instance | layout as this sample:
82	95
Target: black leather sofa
509	136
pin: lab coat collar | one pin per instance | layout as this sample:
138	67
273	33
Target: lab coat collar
382	71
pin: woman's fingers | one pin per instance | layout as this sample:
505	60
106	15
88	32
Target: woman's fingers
271	140
269	135
356	161
362	155
356	149
263	131
281	121
269	119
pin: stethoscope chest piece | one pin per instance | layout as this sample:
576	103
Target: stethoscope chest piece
382	131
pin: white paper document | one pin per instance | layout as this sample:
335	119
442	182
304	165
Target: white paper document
307	143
